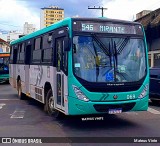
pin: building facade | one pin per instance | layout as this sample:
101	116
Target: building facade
4	46
28	28
11	36
142	13
151	23
51	15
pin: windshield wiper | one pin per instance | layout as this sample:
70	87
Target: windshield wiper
106	50
110	58
102	46
123	44
115	54
115	59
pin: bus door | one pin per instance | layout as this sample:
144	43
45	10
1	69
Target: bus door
27	67
61	70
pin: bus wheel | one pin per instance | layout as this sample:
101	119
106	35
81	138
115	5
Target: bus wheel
19	90
49	105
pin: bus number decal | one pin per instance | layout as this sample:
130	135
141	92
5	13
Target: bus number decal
86	27
131	96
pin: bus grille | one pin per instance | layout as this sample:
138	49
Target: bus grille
105	108
104	88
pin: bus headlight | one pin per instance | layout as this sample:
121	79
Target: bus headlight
144	92
79	93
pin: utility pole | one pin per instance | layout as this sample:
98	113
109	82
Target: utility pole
100	8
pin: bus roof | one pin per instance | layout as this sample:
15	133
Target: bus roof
42	31
64	22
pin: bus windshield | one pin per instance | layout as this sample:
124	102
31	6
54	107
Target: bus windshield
4	62
109	59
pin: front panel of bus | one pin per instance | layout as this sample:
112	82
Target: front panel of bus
109	68
4	67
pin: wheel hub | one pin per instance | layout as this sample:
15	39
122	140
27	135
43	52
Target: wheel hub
51	103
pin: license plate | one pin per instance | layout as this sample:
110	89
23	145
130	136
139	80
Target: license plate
115	111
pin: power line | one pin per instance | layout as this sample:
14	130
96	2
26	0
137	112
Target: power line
100	8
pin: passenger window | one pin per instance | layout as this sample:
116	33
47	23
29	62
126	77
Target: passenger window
21	51
47	41
47	51
36	58
37	44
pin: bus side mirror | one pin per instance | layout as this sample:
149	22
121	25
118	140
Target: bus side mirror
66	44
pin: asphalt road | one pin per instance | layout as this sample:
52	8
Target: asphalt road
26	118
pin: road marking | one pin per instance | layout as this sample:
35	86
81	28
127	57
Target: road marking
153	111
8	99
131	113
18	114
1	105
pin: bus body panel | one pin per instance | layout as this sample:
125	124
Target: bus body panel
27	79
13	77
20	71
39	75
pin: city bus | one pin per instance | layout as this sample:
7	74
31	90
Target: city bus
4	67
82	66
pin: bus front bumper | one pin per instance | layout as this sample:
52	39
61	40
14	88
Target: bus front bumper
79	107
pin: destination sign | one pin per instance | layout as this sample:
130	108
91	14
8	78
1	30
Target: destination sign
107	27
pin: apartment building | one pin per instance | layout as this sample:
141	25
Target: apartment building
28	28
50	15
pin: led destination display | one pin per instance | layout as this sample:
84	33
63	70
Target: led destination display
107	27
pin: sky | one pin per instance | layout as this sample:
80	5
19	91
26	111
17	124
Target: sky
14	13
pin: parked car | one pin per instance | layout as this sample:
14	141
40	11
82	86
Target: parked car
154	84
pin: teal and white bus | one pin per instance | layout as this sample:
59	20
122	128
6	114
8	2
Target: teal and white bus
82	66
4	67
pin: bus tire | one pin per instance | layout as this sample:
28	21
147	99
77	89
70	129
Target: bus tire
49	105
21	95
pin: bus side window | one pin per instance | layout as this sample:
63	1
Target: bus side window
36	58
21	50
47	51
